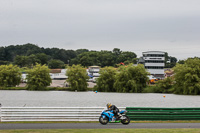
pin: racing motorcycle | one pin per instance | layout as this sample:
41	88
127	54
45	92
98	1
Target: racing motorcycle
108	116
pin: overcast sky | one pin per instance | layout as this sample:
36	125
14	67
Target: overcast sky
172	26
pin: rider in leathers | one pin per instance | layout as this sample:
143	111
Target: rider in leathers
114	108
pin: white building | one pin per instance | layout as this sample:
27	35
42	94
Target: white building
58	74
154	62
94	71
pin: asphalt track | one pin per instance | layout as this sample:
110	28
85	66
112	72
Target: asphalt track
4	126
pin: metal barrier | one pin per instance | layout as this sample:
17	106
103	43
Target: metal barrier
50	113
139	113
93	113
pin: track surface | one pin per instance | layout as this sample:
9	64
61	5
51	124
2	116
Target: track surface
4	126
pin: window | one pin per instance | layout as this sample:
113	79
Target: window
154	67
153	55
154	61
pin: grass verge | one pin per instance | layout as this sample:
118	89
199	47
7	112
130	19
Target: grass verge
45	89
103	131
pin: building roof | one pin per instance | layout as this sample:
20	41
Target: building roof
154	52
94	66
141	60
55	70
169	73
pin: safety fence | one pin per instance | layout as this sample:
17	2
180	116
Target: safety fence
139	113
92	113
51	113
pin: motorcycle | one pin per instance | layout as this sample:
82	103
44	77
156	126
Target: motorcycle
108	116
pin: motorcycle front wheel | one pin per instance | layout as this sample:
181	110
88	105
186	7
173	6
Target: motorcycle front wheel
125	120
103	121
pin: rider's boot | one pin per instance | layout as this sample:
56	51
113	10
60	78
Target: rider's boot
119	115
114	118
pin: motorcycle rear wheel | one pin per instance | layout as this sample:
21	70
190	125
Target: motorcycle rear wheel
103	121
125	121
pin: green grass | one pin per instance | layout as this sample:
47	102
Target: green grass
12	88
103	131
152	89
168	121
45	89
42	122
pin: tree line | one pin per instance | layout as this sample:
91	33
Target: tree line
37	78
186	79
28	55
124	79
131	78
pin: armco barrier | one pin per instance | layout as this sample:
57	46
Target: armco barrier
93	113
51	113
146	113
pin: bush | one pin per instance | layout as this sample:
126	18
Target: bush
165	85
53	64
187	77
13	88
38	78
152	89
131	79
9	75
106	80
77	77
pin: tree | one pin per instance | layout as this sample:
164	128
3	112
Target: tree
172	61
117	51
4	62
10	52
181	61
21	61
80	51
87	59
127	57
38	78
2	54
105	58
9	75
32	60
100	58
131	78
187	77
77	77
28	61
42	58
53	64
106	80
165	84
26	50
60	54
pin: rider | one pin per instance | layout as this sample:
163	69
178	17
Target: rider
114	108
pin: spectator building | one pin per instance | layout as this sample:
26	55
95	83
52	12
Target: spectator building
154	62
94	71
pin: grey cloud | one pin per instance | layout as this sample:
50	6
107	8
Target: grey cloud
102	24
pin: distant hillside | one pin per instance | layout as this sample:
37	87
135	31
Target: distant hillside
31	53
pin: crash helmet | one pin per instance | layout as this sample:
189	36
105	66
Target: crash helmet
109	105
